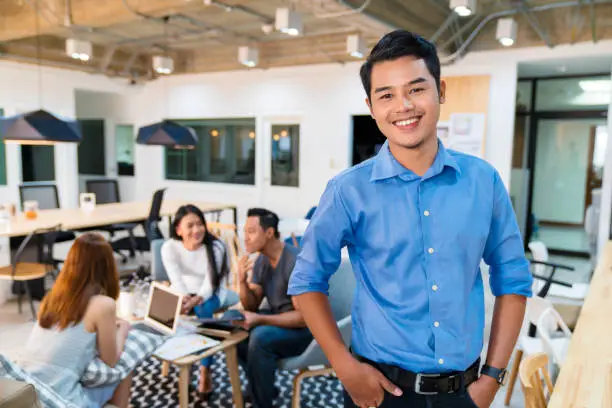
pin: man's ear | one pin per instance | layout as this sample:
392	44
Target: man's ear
442	91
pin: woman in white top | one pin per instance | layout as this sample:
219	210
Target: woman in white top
197	265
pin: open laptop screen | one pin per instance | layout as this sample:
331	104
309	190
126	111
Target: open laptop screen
163	307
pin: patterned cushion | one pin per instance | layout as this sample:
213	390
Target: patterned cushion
139	345
46	395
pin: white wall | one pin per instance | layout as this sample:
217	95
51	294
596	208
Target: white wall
19	92
115	109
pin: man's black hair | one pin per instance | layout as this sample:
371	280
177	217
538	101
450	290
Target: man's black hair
398	44
267	219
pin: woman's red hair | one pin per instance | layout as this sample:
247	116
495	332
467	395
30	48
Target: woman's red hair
89	270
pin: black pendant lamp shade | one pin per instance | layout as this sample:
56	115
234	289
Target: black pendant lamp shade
39	127
167	133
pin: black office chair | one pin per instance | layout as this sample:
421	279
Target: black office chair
48	199
150	225
107	192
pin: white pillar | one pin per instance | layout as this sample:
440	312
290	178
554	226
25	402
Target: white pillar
606	193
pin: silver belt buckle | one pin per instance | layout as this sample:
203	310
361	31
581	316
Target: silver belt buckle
417	384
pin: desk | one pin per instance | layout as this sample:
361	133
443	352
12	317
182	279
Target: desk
75	219
585	380
228	345
103	214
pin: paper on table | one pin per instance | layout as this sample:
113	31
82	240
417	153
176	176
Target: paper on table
183	345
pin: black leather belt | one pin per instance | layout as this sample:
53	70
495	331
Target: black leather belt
427	384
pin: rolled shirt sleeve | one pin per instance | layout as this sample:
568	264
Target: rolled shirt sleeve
509	269
320	255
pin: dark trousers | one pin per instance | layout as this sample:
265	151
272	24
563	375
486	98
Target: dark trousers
410	399
259	354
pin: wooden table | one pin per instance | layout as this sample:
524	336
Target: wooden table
586	376
227	345
103	214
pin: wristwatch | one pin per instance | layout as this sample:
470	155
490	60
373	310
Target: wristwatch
499	374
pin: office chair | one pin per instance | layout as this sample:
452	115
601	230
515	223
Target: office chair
107	192
151	228
48	199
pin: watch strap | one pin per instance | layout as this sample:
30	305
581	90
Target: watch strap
498	374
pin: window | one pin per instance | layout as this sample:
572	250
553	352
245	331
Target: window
572	94
2	158
37	163
124	149
285	155
91	149
523	96
225	153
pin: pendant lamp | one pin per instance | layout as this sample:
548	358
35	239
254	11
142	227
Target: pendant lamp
167	133
39	126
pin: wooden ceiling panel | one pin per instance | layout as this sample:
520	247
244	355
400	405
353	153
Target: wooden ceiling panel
206	38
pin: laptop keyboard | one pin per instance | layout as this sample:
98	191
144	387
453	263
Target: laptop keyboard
148	329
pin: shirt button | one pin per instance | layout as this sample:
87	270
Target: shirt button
426	213
436	324
434	287
441	361
430	250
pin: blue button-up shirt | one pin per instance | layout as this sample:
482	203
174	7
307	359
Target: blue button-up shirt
415	245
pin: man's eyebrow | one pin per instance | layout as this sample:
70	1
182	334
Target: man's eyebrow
415	81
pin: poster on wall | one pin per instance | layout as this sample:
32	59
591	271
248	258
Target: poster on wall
466	133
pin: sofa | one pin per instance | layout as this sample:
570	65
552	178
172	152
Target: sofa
20	390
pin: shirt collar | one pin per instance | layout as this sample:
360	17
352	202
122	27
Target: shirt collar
386	166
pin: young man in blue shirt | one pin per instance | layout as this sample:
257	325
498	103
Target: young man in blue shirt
417	219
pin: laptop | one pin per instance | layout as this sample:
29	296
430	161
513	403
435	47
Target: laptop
163	311
163	318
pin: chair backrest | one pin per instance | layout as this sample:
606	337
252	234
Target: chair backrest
44	193
156	204
342	290
539	252
548	326
536	306
533	374
151	225
106	190
158	272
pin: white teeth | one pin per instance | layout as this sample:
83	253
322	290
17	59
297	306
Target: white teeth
406	122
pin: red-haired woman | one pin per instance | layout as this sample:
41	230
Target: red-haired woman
76	322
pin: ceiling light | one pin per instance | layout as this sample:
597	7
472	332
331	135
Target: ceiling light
267	28
463	8
248	56
355	46
163	65
595	85
506	31
288	21
78	49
